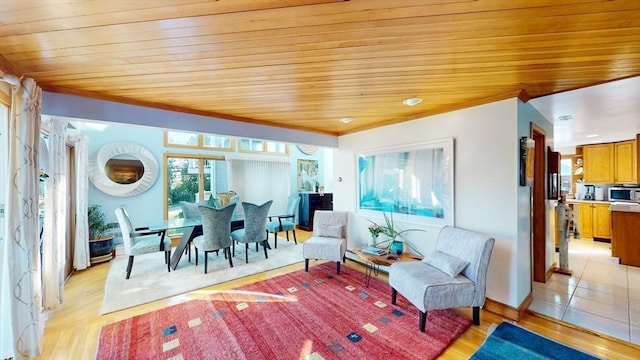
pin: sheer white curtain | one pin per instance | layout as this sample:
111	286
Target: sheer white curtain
258	180
54	235
81	251
21	252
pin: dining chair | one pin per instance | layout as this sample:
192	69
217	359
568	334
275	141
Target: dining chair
190	212
285	222
329	240
255	227
138	241
216	232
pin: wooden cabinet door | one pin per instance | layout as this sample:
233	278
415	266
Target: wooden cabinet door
599	163
601	221
625	162
586	220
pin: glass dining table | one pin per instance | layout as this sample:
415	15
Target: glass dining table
191	228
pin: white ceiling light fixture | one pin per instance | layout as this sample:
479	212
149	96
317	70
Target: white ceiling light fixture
565	117
593	135
412	101
346	120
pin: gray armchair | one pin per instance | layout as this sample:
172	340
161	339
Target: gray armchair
138	241
285	222
329	240
255	227
216	232
454	275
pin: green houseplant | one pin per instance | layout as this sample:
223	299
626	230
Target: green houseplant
394	243
100	242
98	225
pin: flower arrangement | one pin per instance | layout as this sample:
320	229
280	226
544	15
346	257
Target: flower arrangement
375	230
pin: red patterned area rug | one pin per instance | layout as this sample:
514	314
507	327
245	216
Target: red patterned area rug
314	315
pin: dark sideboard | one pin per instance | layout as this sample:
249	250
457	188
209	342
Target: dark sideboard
309	203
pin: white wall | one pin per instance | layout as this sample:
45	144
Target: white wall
488	197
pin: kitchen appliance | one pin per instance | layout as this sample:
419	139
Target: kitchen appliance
624	194
599	194
589	192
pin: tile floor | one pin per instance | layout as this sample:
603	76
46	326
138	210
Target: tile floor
601	295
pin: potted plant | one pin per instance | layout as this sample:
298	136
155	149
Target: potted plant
394	243
100	242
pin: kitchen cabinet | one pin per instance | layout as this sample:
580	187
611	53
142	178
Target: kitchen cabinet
624	240
309	203
625	162
595	220
599	165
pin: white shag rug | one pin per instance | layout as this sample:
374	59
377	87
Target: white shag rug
150	280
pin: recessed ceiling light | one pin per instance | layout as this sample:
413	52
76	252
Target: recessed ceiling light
565	118
592	135
346	120
412	101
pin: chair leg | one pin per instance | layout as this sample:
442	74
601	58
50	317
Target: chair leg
167	259
275	240
306	265
196	256
287	233
423	320
246	251
256	247
265	249
225	255
476	315
338	263
294	236
206	260
129	266
394	296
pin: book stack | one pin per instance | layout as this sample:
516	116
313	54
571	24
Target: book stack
374	251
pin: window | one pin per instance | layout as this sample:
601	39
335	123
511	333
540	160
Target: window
192	178
194	140
263	146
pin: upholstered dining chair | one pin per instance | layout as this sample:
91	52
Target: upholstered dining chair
216	232
329	240
138	241
255	227
285	222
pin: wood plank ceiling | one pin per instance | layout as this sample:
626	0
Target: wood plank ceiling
305	64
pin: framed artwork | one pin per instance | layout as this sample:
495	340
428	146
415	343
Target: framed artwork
527	152
414	182
307	174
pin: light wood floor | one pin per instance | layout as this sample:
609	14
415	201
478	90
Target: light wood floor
72	330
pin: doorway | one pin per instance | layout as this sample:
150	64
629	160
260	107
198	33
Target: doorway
538	210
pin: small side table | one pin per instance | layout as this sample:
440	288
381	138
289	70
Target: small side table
372	263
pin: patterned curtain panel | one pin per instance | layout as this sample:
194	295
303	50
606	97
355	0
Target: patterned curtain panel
81	252
22	248
54	235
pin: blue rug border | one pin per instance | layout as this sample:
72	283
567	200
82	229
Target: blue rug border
517	342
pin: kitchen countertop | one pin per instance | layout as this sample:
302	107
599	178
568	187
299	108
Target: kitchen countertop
625	207
575	201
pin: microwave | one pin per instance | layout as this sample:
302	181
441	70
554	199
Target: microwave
624	194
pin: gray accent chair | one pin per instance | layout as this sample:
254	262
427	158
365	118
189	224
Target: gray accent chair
216	232
329	240
255	227
285	222
455	275
138	241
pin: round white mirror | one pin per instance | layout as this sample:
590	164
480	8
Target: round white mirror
123	169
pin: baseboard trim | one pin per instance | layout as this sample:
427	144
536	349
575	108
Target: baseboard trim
507	311
549	272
